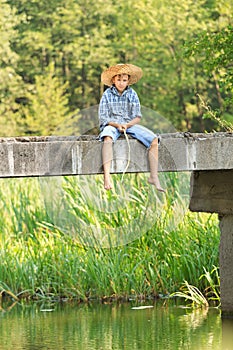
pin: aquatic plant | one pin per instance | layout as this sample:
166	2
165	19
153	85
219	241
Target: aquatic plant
196	297
193	294
156	245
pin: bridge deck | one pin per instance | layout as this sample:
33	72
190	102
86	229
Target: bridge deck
76	155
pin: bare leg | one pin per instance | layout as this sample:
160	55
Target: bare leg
153	163
107	159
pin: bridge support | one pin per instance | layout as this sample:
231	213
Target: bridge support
212	191
226	265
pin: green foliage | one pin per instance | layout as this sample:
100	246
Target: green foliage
224	124
47	105
216	51
195	296
10	81
80	39
41	260
214	47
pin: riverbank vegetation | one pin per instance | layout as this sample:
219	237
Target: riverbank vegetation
48	254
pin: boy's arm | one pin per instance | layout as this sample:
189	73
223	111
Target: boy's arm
134	121
122	127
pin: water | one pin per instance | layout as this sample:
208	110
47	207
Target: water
112	327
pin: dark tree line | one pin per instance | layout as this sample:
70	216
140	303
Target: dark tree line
52	54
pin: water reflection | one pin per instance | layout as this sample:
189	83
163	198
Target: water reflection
90	327
227	334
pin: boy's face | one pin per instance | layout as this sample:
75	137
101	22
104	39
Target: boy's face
121	81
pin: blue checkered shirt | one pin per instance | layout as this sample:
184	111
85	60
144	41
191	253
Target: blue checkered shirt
118	108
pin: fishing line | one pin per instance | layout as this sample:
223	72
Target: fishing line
128	162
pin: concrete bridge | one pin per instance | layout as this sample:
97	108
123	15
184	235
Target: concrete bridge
209	158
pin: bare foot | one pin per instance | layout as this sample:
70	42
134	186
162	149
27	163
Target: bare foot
155	181
107	183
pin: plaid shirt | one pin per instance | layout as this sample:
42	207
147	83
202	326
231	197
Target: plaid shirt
118	108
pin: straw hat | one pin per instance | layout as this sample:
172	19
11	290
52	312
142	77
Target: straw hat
134	72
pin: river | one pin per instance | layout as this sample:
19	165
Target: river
128	326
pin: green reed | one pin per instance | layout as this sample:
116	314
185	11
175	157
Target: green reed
194	295
69	238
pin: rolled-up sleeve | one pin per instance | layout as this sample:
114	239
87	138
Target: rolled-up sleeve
135	106
104	113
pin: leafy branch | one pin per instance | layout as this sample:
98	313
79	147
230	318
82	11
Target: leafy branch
224	124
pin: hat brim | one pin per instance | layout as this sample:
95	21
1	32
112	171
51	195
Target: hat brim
135	73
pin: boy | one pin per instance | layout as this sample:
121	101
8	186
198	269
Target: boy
119	111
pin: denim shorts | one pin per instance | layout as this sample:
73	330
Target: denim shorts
139	132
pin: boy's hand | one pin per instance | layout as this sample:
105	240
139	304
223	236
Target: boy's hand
122	127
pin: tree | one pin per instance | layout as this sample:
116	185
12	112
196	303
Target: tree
69	34
216	51
47	107
82	38
10	82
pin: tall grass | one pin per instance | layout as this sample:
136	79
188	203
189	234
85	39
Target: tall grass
68	238
195	296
